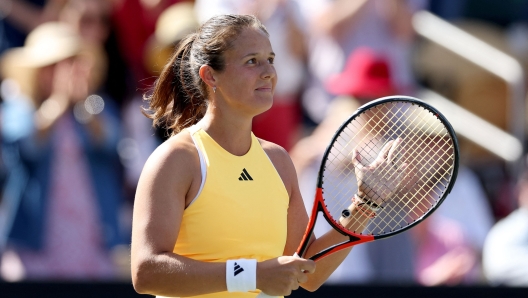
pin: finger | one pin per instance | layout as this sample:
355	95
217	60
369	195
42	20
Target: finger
393	148
411	178
356	159
401	175
302	278
307	266
382	154
403	170
295	285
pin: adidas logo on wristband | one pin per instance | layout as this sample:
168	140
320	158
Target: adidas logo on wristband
237	269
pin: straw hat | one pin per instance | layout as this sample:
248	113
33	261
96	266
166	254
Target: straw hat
174	23
47	44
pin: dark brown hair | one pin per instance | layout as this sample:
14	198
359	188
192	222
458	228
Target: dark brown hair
178	98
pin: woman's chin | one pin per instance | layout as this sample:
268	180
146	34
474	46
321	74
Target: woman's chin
264	106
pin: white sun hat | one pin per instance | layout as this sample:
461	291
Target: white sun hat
47	44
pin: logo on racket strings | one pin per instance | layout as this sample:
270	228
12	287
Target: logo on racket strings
238	269
244	176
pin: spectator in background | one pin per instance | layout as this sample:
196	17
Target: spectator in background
444	254
468	194
64	175
283	20
91	17
505	255
141	138
92	20
173	24
19	17
454	258
338	27
135	22
366	76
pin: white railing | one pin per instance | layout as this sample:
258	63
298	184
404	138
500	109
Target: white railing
476	129
494	61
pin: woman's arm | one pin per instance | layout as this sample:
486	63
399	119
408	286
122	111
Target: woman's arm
168	178
338	17
298	220
26	16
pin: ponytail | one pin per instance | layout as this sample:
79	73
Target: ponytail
176	102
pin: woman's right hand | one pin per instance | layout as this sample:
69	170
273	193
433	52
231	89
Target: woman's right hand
282	275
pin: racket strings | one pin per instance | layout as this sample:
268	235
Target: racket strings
369	146
421	131
421	207
389	174
392	174
414	208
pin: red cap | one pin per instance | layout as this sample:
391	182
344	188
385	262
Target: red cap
366	76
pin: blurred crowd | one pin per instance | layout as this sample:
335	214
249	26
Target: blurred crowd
73	75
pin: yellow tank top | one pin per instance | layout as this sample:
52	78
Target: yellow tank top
240	210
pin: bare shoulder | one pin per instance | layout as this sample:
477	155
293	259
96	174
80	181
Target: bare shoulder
273	150
177	147
175	159
282	162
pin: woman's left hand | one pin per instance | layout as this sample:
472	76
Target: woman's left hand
380	180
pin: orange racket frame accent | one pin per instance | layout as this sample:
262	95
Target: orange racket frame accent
319	206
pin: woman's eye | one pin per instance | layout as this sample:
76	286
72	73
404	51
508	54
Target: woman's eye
252	61
271	60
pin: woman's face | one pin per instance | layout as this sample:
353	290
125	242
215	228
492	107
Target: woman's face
249	77
90	18
44	83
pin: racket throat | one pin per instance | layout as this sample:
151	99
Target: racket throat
317	207
337	247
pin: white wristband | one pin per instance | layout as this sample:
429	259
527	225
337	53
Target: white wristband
241	275
368	203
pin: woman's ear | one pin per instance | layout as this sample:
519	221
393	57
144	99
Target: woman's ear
207	75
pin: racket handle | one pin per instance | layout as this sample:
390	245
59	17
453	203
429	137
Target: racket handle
264	295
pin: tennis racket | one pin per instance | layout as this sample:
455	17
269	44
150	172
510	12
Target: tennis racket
389	166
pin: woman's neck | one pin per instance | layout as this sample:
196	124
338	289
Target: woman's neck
232	132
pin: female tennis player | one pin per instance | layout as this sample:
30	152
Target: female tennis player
218	212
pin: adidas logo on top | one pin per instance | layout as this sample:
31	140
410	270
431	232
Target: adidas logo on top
244	176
